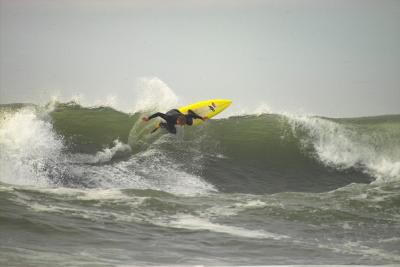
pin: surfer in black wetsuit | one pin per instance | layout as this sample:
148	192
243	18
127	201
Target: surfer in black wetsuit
174	117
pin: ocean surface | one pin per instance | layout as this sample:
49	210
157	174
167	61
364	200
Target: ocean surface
89	186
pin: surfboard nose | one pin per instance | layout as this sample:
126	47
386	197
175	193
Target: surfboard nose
225	102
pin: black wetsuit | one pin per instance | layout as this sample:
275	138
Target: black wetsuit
172	116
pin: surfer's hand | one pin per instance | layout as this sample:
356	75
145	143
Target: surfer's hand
145	118
204	118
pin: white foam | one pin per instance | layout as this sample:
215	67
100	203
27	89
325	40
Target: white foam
149	169
4	188
106	155
106	194
80	99
150	93
358	248
389	240
154	94
31	153
236	208
263	108
166	176
28	148
197	223
91	194
343	147
252	204
237	110
347	226
164	173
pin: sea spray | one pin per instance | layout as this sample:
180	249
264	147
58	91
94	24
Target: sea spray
152	94
29	148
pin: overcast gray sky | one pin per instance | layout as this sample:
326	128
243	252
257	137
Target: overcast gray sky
332	58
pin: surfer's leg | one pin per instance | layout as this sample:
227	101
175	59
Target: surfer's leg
171	128
189	120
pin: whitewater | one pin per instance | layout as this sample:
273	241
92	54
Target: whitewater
87	185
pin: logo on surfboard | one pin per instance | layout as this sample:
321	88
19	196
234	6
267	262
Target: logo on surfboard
212	107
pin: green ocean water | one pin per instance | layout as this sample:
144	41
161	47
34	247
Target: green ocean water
83	186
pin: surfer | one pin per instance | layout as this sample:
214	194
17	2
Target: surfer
174	117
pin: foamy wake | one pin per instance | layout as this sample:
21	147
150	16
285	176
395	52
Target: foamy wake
149	169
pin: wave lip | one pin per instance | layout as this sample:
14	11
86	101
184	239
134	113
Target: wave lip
342	145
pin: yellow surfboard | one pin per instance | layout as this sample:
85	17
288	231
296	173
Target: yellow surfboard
207	108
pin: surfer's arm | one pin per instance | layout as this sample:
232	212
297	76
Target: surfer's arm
194	115
158	114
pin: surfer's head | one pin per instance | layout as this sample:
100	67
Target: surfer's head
181	120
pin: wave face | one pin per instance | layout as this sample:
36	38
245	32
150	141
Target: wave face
318	185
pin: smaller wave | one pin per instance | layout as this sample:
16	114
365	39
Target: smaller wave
106	155
368	144
109	153
346	146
